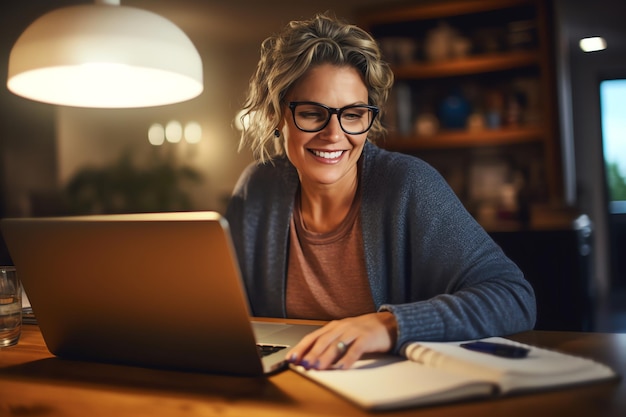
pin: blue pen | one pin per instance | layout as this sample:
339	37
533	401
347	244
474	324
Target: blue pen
497	349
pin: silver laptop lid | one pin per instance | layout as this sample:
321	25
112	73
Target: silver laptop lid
157	290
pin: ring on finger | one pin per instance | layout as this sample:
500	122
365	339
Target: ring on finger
342	347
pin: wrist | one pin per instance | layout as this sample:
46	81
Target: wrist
388	319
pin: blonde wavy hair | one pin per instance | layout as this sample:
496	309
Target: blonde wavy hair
287	56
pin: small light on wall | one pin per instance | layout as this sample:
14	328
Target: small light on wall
193	132
156	134
592	44
173	132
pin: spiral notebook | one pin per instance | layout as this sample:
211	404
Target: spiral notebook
434	373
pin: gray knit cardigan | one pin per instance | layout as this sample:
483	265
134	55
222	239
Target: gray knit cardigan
427	260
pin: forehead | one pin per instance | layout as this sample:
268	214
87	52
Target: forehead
329	81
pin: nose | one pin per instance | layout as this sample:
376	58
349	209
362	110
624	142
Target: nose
332	131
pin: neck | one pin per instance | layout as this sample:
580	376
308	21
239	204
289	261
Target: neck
324	208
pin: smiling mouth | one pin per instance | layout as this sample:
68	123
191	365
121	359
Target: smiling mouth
327	155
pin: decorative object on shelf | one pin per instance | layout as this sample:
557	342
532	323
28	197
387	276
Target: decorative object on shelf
439	42
529	89
426	124
489	40
399	50
404	109
495	107
454	110
406	49
522	34
461	47
515	106
476	121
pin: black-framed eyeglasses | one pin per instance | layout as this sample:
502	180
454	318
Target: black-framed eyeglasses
311	117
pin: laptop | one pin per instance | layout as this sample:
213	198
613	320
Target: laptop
159	290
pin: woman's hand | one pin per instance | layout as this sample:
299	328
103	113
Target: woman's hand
340	343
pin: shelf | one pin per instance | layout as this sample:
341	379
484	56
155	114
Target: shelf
465	139
464	66
376	15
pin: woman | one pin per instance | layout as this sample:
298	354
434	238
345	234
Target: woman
328	226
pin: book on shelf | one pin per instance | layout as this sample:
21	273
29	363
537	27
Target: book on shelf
433	373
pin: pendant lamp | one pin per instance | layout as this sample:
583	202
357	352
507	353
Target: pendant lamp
104	55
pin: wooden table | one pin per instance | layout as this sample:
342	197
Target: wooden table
34	383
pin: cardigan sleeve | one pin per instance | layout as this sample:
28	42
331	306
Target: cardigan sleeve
438	271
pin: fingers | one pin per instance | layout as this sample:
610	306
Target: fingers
352	354
320	349
339	344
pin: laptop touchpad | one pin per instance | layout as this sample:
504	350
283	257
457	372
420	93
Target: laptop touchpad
263	330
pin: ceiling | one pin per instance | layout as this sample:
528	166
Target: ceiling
244	20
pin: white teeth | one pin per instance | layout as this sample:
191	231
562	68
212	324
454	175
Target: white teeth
328	155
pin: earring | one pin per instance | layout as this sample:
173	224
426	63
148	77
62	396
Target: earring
276	133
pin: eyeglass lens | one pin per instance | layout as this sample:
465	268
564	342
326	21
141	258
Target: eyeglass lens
313	117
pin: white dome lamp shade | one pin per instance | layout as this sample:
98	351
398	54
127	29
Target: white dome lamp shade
104	55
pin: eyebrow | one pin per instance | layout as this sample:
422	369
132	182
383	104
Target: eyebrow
357	103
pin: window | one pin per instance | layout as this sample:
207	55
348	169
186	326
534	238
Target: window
613	115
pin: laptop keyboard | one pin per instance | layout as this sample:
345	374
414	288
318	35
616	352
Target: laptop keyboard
265	350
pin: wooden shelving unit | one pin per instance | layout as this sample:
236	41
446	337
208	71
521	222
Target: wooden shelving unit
536	139
466	66
466	139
